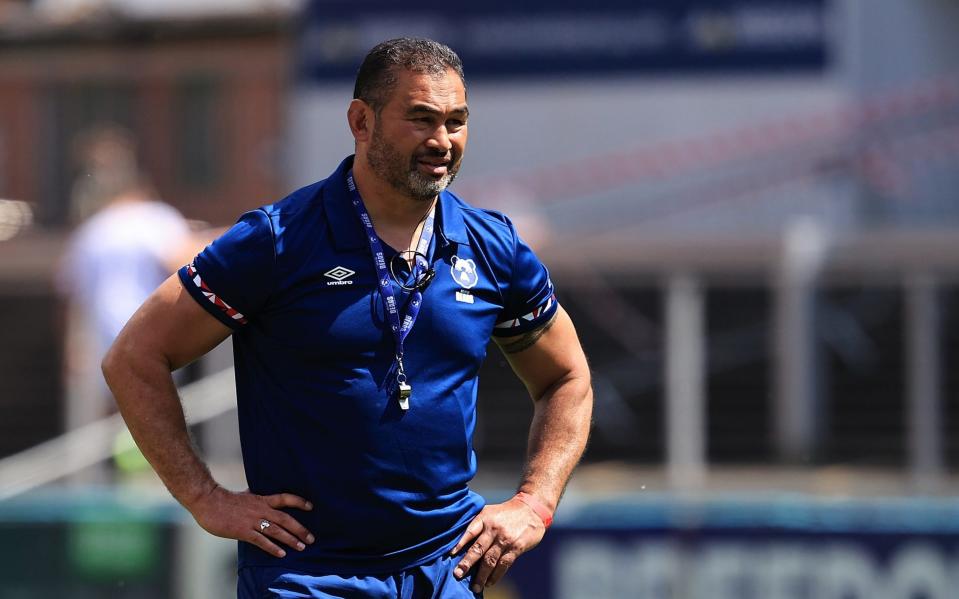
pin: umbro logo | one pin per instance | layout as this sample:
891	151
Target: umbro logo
339	274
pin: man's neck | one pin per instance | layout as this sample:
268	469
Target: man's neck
391	210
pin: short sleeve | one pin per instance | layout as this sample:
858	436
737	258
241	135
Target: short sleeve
233	277
531	301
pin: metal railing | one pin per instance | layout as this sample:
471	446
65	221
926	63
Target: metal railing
90	444
794	267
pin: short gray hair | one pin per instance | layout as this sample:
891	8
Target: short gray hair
378	74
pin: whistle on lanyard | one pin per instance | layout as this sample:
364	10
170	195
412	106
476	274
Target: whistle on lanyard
404	394
404	389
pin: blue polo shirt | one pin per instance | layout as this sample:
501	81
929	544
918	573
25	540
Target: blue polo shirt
313	351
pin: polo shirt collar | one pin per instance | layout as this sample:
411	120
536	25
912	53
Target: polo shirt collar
345	228
449	222
348	232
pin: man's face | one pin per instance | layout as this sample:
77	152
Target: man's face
419	136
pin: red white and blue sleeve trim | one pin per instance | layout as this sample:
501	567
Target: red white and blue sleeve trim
207	298
529	321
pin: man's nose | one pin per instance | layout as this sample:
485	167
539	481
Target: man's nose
440	140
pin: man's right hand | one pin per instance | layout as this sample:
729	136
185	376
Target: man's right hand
171	330
238	516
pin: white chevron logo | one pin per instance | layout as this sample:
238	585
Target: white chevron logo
339	274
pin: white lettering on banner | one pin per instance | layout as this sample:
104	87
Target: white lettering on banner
602	569
847	571
658	568
783	575
722	571
589	568
920	570
380	260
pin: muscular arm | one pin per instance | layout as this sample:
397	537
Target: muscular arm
551	363
169	331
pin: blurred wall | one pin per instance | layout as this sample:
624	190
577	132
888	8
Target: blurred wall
523	134
714	110
203	98
891	45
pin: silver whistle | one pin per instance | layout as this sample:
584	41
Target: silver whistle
404	395
403	388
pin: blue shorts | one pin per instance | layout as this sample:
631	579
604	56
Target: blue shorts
432	580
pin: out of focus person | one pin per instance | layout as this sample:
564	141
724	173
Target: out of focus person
128	242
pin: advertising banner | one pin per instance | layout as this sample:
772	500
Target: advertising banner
798	549
500	39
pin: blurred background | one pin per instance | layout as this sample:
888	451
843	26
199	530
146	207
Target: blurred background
749	208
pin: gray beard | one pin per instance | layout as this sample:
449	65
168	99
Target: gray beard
423	188
386	162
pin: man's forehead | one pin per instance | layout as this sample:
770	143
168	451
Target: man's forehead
415	87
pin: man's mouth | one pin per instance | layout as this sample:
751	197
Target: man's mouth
434	166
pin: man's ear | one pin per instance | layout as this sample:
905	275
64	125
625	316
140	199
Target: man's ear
360	117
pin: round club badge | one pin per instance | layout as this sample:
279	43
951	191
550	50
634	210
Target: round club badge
464	273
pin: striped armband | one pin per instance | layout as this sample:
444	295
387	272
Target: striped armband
230	312
516	323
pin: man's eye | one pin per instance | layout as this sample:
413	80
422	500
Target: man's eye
455	123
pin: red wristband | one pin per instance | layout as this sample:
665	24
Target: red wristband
544	513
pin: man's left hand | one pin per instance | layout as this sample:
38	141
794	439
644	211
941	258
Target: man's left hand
496	537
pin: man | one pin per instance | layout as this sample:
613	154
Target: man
360	309
128	243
